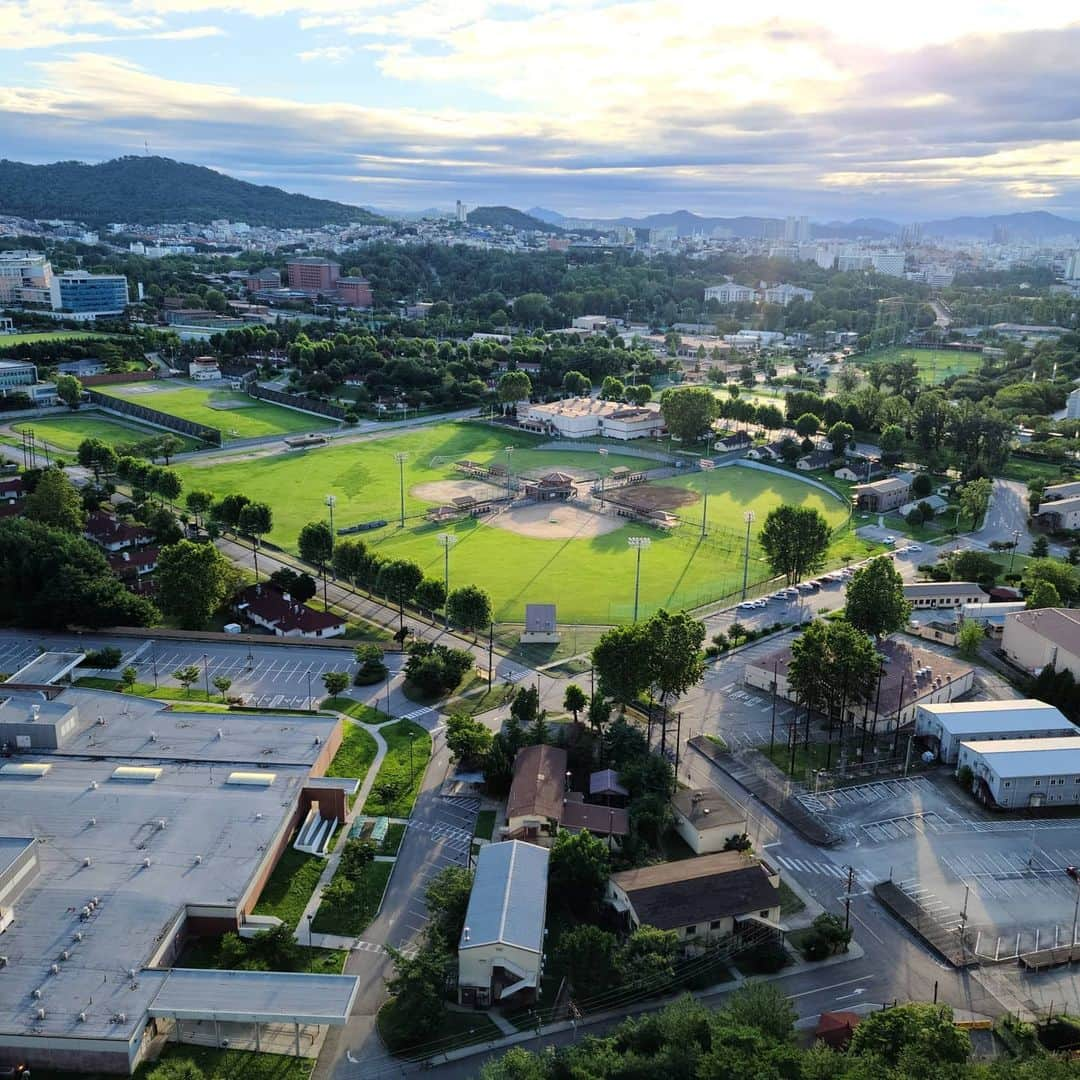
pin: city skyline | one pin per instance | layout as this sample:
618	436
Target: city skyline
596	110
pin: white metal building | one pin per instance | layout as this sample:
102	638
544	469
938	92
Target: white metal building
943	594
951	723
1024	772
501	951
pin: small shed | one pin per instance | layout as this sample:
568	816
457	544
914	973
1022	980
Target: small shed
540	623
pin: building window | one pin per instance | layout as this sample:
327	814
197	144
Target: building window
1038	783
715	925
1008	783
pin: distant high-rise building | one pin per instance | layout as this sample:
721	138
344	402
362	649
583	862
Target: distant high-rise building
1072	267
90	295
25	277
889	262
461	212
797	230
313	275
911	235
1000	234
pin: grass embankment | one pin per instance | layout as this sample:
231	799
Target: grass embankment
398	780
206	953
455	1029
290	886
352	915
67	432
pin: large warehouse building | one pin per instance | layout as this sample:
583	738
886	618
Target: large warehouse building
947	725
128	828
1041	637
1024	772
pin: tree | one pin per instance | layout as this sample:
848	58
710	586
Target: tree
689	412
612	388
436	669
975	498
890	1033
673	656
762	1006
1063	576
972	565
168	446
226	511
128	677
468	740
222	683
576	384
372	668
1043	595
301	587
316	546
807	425
922	485
875	601
587	954
970	638
335	682
186	675
447	900
194	581
839	435
795	540
1040	548
430	594
163	524
356	856
69	390
514	386
97	456
574	700
255	521
398	581
469	608
56	503
578	871
199	503
648	955
418	987
892	442
617	659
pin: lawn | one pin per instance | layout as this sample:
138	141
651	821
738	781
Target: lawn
205	952
355	754
352	916
935	365
790	902
453	1030
485	824
235	414
66	432
590	578
290	886
194	694
1025	469
356	709
227	1064
34	337
394	774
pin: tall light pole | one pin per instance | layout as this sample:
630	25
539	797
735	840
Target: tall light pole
331	502
401	457
603	452
447	541
748	517
639	543
206	676
509	451
1016	543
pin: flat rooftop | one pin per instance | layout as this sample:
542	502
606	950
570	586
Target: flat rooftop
205	840
1016	758
138	727
47	668
1025	714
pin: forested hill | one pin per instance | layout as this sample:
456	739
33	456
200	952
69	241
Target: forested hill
496	216
155	190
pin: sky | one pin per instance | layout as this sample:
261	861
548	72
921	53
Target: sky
598	108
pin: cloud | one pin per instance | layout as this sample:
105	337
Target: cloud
333	54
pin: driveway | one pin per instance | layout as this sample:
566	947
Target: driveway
1007	516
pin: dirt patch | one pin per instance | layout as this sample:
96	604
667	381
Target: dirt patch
556	521
648	497
234	403
442	492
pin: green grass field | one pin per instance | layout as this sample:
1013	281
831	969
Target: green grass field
249	419
66	432
935	365
32	338
591	579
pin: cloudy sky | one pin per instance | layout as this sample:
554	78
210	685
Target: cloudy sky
596	107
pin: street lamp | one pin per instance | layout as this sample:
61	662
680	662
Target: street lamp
331	502
748	517
308	674
1016	544
446	541
206	676
401	457
639	543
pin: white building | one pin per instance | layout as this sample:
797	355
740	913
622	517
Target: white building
943	594
25	277
1024	772
1072	405
949	725
731	293
991	614
1041	637
888	262
501	950
583	418
706	819
592	324
784	294
203	369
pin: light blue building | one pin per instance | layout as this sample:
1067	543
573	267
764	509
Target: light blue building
89	295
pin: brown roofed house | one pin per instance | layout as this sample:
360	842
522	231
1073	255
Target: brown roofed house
535	804
707	819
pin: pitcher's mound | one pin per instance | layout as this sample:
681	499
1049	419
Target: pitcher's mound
556	521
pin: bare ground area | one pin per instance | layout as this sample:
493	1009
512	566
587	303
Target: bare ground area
647	497
443	491
555	521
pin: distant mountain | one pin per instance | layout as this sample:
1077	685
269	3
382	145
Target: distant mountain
849	230
552	217
1030	225
497	216
157	190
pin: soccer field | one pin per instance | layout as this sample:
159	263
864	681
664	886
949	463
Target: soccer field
585	566
7	340
235	414
66	432
935	365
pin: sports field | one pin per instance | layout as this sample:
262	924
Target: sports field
235	414
50	335
935	365
541	553
66	432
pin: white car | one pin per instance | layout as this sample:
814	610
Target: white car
914	547
890	540
747	605
761	603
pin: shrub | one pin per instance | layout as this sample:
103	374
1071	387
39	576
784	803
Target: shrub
106	658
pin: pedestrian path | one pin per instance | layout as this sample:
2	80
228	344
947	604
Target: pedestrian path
821	867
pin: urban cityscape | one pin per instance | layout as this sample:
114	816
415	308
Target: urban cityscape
442	632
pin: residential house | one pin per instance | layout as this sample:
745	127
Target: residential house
769	452
702	899
881	496
736	440
271	608
816	459
501	950
706	819
113	535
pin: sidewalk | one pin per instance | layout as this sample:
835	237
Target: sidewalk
333	941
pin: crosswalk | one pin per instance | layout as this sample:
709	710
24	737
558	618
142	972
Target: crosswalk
374	947
821	868
417	713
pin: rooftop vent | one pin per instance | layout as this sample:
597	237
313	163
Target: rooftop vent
252	779
82	1018
86	860
141	773
40	1014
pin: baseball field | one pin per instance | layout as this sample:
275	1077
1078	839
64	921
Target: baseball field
569	554
66	432
935	365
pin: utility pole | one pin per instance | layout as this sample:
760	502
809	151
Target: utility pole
772	725
401	458
509	451
847	898
331	502
748	517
